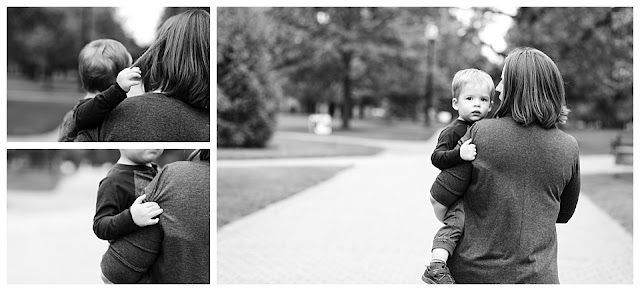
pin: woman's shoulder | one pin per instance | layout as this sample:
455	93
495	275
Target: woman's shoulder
156	103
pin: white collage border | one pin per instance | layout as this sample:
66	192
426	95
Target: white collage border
213	4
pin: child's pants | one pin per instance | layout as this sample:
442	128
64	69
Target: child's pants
447	236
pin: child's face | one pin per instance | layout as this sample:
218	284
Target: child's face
141	156
473	103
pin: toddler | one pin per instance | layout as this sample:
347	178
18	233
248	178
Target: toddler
472	92
98	65
119	209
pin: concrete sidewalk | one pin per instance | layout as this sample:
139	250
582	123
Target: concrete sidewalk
50	238
373	223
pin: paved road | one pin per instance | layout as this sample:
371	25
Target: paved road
373	223
49	234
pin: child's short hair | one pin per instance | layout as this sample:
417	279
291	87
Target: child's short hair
467	76
177	62
533	89
99	63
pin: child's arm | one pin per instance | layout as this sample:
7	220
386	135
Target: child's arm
110	223
112	219
90	113
447	153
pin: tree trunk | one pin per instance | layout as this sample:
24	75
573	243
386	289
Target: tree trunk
346	89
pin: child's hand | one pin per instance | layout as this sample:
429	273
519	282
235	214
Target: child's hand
128	77
143	213
468	151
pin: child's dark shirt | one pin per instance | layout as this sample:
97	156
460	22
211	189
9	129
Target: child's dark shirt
90	112
116	193
447	153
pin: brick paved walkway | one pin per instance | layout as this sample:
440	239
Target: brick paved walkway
373	223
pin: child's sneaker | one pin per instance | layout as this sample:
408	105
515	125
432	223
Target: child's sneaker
437	273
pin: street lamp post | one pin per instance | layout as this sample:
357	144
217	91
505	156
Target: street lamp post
430	33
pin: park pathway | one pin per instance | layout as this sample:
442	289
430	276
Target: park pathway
50	236
373	223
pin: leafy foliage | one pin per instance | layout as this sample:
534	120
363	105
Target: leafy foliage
42	41
246	101
593	48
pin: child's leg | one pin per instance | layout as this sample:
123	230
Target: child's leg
443	245
448	235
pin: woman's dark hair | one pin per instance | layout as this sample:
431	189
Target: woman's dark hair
533	89
203	155
177	62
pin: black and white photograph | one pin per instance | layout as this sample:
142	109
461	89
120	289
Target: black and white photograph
72	73
83	216
424	145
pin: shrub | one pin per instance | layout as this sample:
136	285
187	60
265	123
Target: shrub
246	99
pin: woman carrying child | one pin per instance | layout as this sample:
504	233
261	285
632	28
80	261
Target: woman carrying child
175	77
524	180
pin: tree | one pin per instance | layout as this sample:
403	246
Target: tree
367	55
44	40
246	99
593	48
328	45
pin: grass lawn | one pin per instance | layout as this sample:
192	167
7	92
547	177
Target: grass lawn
34	118
32	180
242	191
613	193
35	108
368	128
594	141
285	148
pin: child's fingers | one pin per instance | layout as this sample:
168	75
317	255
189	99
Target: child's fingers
140	199
153	221
151	205
155	213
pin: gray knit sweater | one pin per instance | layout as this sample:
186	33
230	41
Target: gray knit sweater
523	181
151	117
176	250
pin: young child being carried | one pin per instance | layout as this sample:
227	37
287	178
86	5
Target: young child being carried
473	92
103	66
119	208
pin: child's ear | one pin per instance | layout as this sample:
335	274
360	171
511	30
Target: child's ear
454	103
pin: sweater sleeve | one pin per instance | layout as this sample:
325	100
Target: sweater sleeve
91	113
129	258
112	220
569	196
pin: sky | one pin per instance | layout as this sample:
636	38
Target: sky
140	22
142	26
494	32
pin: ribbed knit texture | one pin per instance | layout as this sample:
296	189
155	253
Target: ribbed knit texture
151	117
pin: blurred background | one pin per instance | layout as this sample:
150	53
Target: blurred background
43	44
344	101
51	196
396	64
